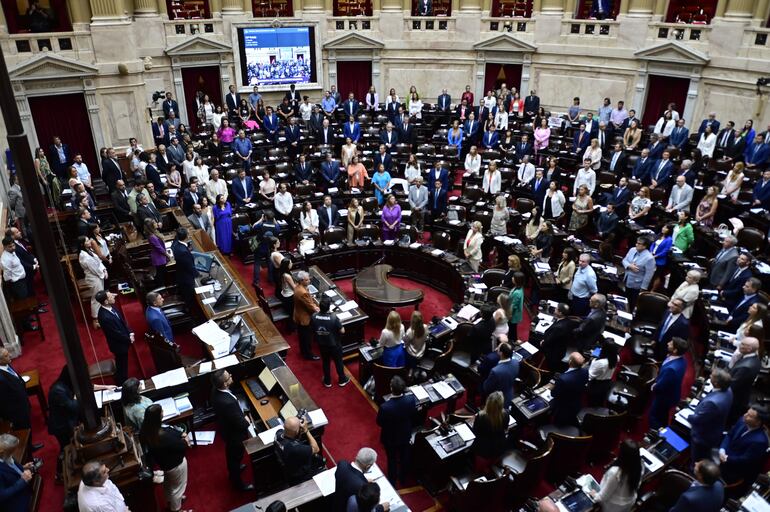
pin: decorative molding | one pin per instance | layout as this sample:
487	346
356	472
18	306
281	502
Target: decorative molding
505	43
47	66
673	52
354	41
196	46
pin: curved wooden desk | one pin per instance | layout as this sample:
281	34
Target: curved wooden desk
374	291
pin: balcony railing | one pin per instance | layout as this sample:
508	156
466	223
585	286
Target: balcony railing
71	44
679	32
353	23
429	23
585	29
508	24
185	28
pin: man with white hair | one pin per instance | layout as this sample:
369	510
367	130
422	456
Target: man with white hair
349	477
711	121
97	493
681	196
215	187
15	479
724	263
744	367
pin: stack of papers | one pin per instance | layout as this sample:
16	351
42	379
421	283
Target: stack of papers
542	268
170	378
325	481
444	389
468	311
204	437
419	393
465	432
318	418
545	322
205	367
183	404
268	436
349	305
169	407
211	334
224	362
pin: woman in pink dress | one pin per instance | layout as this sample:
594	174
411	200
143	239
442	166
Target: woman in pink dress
542	135
226	133
391	218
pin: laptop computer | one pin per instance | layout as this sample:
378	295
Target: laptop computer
451	443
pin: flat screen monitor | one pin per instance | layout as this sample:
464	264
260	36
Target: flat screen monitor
202	261
277	56
577	502
267	379
288	410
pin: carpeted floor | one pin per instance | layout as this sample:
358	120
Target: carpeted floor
352	416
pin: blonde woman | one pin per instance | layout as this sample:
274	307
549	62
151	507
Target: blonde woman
355	218
731	186
594	153
707	208
393	353
501	316
688	292
349	150
581	208
490	428
757	313
94	271
415	339
500	217
472	245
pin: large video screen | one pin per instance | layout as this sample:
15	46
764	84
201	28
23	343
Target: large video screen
276	56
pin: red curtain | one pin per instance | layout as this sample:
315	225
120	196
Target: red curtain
204	79
354	76
66	116
497	74
662	90
689	11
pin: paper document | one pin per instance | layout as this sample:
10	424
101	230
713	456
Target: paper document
268	436
755	503
98	397
444	389
325	481
437	252
204	437
344	316
650	461
318	418
468	311
465	432
330	293
419	393
183	404
205	367
170	378
349	305
415	245
209	300
226	361
209	288
169	407
529	347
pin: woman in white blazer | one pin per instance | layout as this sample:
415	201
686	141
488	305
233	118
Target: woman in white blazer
472	245
707	142
553	202
665	125
594	153
473	162
308	218
492	181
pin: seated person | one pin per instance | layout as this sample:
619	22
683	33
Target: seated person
300	460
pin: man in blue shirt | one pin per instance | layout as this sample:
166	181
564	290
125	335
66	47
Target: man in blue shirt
605	111
242	147
254	98
156	318
328	104
583	286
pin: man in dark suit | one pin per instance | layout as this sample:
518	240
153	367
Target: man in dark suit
325	135
620	197
15	478
757	154
156	318
709	121
471	128
567	392
531	105
557	337
706	494
14	407
591	328
384	158
581	140
185	267
740	311
437	202
349	477
617	160
303	171
316	121
710	416
425	8
233	426
242	188
111	171
351	106
679	135
463	111
330	172
292	134
503	375
656	147
607	223
490	139
524	148
723	265
389	137
159	131
661	171
175	152
667	388
191	197
352	130
674	325
631	117
732	289
539	187
327	214
27	259
744	367
60	158
743	451
444	101
396	418
293	97
233	99
170	105
146	210
643	167
438	173
391	111
406	132
117	333
760	196
726	137
199	220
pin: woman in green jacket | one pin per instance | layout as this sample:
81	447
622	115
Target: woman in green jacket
516	300
683	234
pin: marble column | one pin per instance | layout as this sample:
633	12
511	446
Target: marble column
660	7
313	5
623	7
144	8
569	8
470	5
739	9
760	10
107	9
640	7
93	116
233	6
552	6
392	5
80	11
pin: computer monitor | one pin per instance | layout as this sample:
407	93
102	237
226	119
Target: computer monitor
267	379
227	299
202	261
577	502
288	410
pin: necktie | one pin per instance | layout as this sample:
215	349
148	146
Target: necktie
614	160
735	276
601	138
724	138
12	371
435	199
665	327
767	137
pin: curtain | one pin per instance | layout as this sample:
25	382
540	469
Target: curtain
662	90
65	116
196	79
355	76
497	74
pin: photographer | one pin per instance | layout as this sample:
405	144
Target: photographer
300	460
15	479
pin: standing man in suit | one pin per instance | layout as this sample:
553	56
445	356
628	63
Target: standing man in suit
351	106
438	173
352	130
170	106
621	196
568	392
406	132
327	214
674	325
185	268
581	140
667	389
294	98
232	99
471	129
325	135
740	311
15	478
607	223
640	267
316	121
60	158
27	259
706	493
556	338
156	318
117	333
303	171
425	8
304	307
681	196
531	105
111	171
711	121
396	418
732	289
679	135
661	171
723	265
233	426
539	187
643	167
330	172
617	160
159	131
120	202
490	140
242	188
710	416
760	196
389	138
176	152
743	451
744	367
14	407
384	158
293	135
418	201
200	221
437	200
503	375
146	210
349	478
444	101
726	138
191	196
591	329
758	153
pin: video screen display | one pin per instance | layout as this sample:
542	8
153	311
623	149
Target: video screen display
277	56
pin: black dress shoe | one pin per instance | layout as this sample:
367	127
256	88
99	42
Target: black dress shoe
312	358
36	446
42	310
242	467
32	328
247	487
